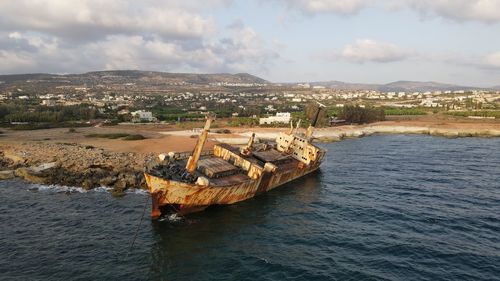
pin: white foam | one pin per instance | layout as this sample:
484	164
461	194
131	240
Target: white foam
102	189
171	218
57	188
74	189
137	191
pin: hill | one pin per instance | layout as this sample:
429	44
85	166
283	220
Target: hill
145	78
398	86
414	86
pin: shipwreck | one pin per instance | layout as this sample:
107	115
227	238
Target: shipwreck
186	182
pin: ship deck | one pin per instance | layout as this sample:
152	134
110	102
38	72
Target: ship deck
221	172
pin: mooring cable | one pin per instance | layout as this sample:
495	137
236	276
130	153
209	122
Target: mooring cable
139	226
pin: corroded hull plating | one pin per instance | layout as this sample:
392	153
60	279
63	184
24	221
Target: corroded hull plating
184	198
228	174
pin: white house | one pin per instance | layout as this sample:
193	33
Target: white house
49	102
141	116
281	117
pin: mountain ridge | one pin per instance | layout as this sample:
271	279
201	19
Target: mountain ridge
140	75
397	86
159	78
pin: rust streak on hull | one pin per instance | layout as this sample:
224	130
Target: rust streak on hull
228	174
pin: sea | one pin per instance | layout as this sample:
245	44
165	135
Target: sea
388	207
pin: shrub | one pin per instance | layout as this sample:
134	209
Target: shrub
134	137
404	111
40	126
243	121
111	123
356	114
71	130
481	113
107	136
223	131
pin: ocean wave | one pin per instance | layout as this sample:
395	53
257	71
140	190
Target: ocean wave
137	191
57	188
102	189
74	189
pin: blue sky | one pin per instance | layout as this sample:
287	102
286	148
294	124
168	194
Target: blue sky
365	41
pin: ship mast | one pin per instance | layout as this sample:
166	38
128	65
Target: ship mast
310	129
247	150
192	162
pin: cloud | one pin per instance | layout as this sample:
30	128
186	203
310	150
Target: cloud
87	20
368	50
13	62
492	60
487	11
78	36
242	50
312	7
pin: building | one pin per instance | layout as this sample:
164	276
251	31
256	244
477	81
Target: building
49	102
143	116
281	117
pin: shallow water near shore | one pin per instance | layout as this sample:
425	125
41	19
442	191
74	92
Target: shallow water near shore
395	207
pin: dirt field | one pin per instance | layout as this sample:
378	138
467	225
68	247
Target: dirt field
155	142
165	138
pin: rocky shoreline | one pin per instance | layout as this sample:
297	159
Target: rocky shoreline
86	166
328	136
356	131
73	165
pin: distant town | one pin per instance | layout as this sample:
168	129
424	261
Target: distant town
133	96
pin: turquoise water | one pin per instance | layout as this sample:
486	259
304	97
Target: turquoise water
381	208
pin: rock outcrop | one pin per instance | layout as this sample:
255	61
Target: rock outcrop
73	165
7	175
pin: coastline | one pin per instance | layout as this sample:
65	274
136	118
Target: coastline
74	160
332	134
73	165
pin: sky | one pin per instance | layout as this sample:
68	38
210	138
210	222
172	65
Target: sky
362	41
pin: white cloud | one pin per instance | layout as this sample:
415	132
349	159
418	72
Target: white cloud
367	50
459	10
491	61
174	35
241	51
13	62
15	35
487	11
345	7
89	19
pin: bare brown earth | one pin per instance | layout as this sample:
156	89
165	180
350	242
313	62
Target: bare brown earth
76	160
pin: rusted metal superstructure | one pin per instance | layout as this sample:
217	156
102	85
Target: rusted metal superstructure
184	183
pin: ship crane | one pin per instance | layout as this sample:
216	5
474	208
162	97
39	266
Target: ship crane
310	129
192	162
228	174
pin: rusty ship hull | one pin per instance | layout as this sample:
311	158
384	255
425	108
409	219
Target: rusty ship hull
174	196
188	182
